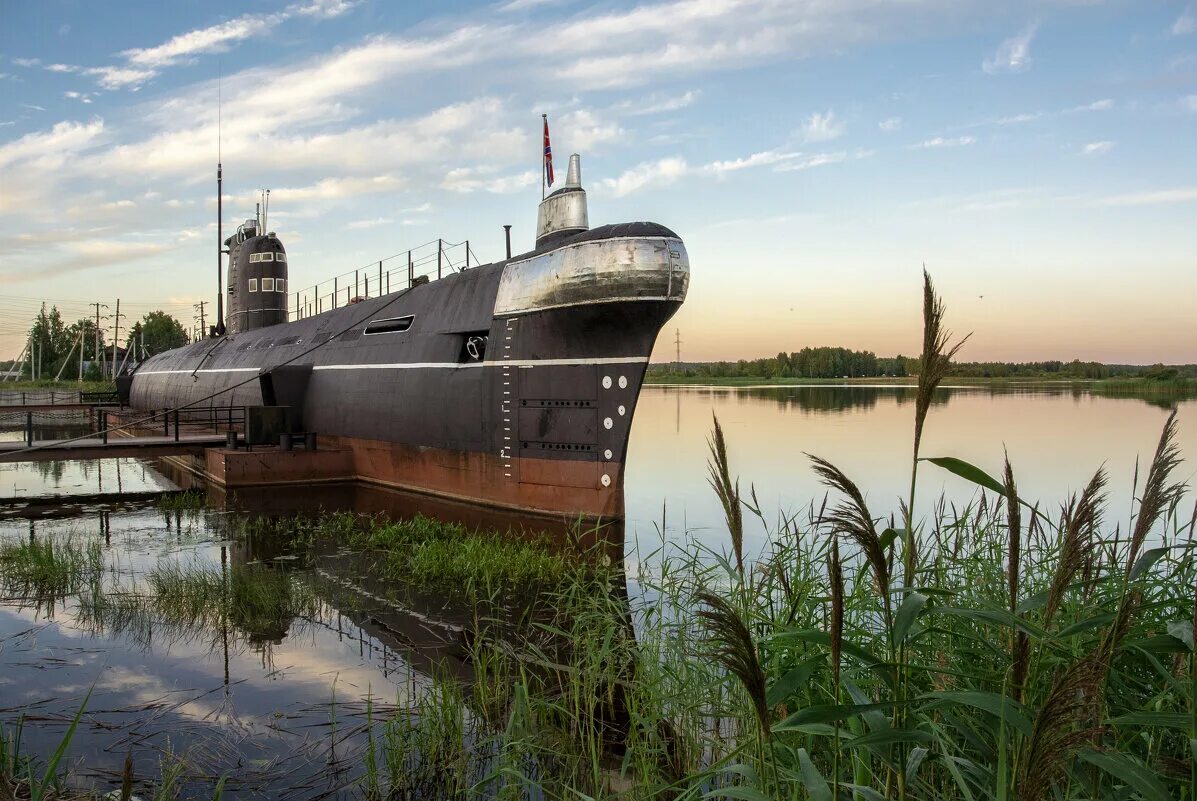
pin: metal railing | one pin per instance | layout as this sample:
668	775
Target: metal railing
193	419
40	397
399	271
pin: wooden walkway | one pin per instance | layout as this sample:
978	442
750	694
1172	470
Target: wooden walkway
50	450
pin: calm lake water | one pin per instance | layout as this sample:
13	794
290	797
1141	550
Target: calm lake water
1056	438
277	702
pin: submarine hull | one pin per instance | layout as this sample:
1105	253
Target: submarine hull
511	385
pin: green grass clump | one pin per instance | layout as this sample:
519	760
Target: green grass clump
49	567
186	501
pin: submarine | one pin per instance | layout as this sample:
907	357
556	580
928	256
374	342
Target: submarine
511	384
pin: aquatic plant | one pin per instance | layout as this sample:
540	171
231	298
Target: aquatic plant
42	569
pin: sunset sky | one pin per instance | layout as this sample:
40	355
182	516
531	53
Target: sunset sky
1038	157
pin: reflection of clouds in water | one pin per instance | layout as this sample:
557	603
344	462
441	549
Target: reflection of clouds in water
1056	435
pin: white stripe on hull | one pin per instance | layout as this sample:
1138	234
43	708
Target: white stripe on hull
420	365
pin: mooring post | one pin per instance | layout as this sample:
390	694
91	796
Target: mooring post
29	429
104	426
176	425
165	423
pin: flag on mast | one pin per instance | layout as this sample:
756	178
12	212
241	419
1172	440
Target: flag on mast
548	153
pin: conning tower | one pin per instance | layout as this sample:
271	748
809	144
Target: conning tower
257	279
563	213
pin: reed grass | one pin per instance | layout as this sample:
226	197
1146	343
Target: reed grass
987	652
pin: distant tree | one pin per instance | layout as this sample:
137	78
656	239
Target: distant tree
161	333
50	340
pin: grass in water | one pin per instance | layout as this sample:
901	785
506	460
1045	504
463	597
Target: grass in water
999	651
43	569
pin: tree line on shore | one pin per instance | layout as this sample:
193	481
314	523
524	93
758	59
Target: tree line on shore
828	362
52	342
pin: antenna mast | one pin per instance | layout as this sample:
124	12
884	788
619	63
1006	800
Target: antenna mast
219	212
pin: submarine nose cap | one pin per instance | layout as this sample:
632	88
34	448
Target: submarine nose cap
563	213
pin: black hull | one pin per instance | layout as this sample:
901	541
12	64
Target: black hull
540	423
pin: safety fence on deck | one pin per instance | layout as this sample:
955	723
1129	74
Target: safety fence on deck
429	261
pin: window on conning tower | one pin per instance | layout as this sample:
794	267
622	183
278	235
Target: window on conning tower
253	285
280	285
267	284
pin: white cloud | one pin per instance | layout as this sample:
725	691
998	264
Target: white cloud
657	103
328	189
50	148
213	39
1186	194
119	77
32	107
820	127
361	225
940	141
520	5
91	253
582	130
475	179
1185	24
325	9
1096	148
27	62
820	159
1105	104
890	124
763	159
1189	103
647	174
1013	55
663	172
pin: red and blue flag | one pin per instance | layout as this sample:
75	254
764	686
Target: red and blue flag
548	154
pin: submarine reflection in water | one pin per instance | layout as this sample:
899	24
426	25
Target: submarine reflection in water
416	638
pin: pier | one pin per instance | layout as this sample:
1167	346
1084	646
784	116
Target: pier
231	446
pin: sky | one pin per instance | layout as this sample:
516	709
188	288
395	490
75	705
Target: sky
1037	157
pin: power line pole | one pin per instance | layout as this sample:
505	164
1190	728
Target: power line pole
677	339
116	327
200	307
98	354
